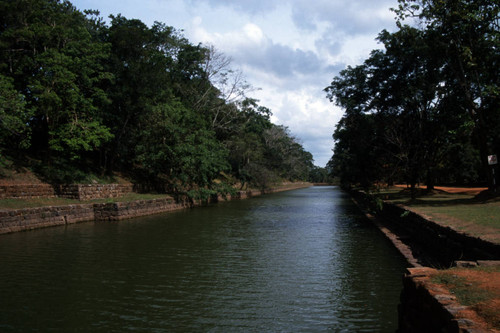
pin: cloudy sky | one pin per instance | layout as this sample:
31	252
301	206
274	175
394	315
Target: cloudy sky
289	49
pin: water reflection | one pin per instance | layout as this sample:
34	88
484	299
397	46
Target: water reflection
297	261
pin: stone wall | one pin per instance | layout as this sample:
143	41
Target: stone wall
33	218
71	191
94	191
26	191
432	244
104	191
125	210
424	306
442	245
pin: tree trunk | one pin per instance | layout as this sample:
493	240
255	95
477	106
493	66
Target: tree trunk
430	180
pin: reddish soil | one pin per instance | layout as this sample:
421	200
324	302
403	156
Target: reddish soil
485	313
20	178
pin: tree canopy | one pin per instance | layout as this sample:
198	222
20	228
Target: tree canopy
426	107
80	96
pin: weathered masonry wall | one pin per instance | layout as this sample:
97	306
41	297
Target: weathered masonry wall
424	306
101	191
33	218
432	243
72	191
94	191
441	245
126	210
27	191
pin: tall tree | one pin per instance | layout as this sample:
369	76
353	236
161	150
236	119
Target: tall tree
57	66
469	32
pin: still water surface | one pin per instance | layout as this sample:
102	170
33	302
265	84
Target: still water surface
298	261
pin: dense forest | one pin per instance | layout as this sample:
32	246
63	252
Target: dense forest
425	108
82	97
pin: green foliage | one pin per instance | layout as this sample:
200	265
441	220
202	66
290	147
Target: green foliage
320	175
467	293
204	194
58	68
467	32
173	145
80	97
201	194
424	109
14	132
79	136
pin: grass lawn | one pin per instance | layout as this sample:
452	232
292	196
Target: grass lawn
477	288
42	202
460	211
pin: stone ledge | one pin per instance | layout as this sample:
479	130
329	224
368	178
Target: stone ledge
27	191
33	218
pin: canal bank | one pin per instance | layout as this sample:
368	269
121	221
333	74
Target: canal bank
33	218
426	306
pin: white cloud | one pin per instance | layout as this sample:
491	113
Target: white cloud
253	32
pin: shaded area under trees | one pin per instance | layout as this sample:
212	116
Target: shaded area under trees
425	108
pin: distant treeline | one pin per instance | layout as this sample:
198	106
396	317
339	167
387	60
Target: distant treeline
426	108
79	96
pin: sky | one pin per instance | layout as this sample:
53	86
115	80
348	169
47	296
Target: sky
288	50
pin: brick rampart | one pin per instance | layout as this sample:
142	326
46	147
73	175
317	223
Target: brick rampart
71	191
125	210
94	191
26	191
32	218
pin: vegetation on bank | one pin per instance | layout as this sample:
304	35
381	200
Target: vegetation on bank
464	212
81	99
426	107
477	288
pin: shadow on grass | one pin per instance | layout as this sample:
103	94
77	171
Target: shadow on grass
437	198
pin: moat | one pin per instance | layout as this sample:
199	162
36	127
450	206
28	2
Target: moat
296	261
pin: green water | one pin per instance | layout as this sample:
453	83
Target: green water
297	261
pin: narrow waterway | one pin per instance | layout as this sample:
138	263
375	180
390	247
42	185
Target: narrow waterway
297	261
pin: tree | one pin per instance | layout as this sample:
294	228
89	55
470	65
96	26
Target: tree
58	68
141	59
320	175
400	104
14	131
175	149
285	154
469	34
84	97
406	83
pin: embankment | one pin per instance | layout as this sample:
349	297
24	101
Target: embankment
33	218
425	243
428	307
430	243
